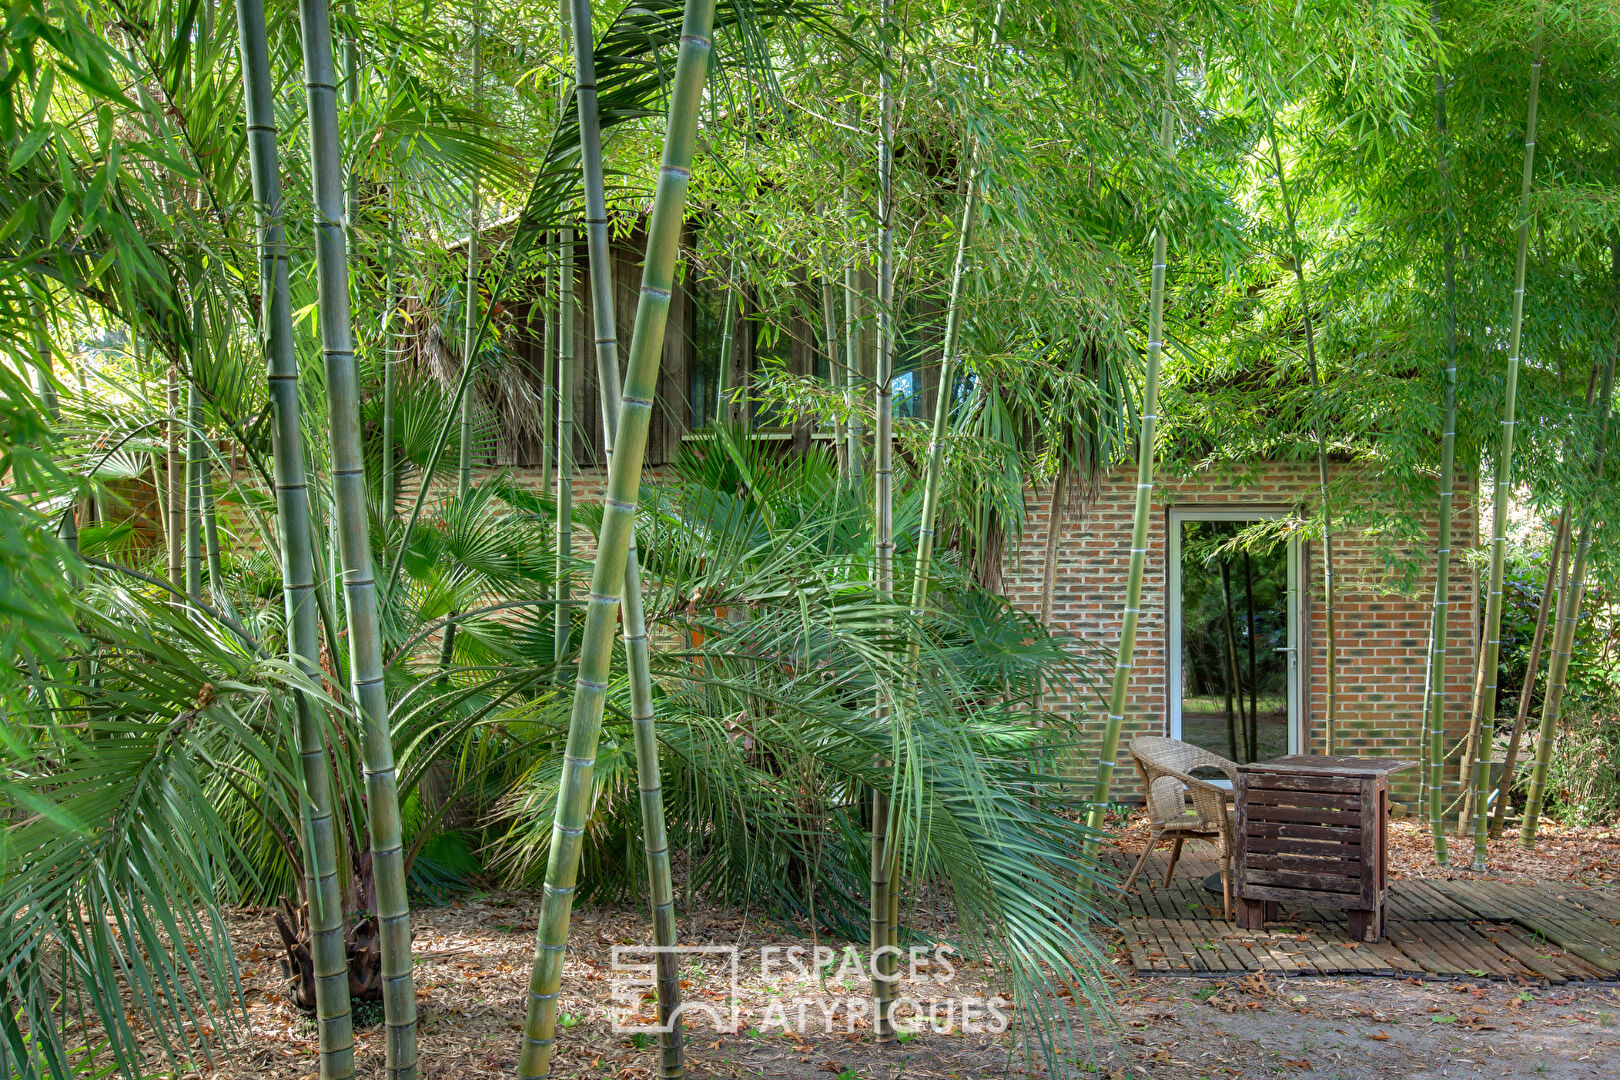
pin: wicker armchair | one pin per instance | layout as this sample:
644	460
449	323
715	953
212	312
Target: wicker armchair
1167	766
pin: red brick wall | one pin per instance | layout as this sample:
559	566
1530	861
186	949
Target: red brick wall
1382	635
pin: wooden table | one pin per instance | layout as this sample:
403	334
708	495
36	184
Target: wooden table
1310	830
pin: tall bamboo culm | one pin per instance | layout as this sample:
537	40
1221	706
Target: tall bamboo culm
935	467
548	388
618	522
175	481
885	830
1545	617
562	621
469	340
316	813
854	322
1569	614
194	471
829	321
1439	621
67	528
1144	491
1485	718
354	542
654	835
1330	717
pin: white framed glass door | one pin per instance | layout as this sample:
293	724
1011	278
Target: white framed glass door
1233	622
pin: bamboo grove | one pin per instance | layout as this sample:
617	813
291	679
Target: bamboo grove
293	618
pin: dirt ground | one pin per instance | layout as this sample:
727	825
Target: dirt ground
473	957
472	963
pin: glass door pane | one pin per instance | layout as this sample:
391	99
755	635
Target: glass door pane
1233	639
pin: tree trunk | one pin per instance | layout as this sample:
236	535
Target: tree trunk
329	965
618	519
1142	514
354	537
1485	719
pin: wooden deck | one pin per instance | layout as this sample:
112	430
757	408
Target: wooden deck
1437	930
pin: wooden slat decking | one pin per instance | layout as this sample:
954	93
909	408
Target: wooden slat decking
1438	929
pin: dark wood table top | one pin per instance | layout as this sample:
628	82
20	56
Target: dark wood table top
1337	765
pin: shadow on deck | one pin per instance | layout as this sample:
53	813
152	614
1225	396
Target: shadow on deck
1438	929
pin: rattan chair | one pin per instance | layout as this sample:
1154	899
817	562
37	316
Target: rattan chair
1166	767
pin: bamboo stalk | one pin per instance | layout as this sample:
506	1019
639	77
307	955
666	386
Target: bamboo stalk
469	345
829	321
316	811
1569	614
391	361
1234	683
1438	651
854	359
1254	666
1485	719
67	527
194	470
655	839
618	520
885	828
1329	636
354	541
562	622
1521	718
211	550
934	470
175	478
548	389
1144	492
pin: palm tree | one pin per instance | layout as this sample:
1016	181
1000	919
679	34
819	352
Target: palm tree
1144	488
354	541
1435	704
1484	719
316	813
618	520
654	836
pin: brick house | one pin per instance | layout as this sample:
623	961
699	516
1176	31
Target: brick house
1077	581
